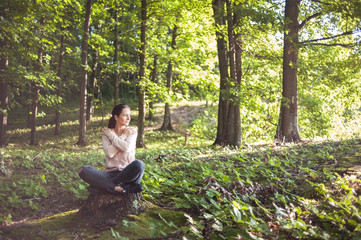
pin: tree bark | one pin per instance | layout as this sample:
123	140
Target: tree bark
218	9
84	76
233	123
288	122
153	77
116	50
142	56
167	122
60	85
34	112
92	87
100	208
36	92
235	62
4	90
237	135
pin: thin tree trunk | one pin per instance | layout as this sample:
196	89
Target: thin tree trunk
142	55
99	94
36	92
167	122
235	62
288	123
60	85
116	47
29	96
4	90
153	77
232	104
84	75
218	8
92	87
236	141
34	112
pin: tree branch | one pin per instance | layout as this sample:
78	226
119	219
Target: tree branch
318	1
333	44
308	19
327	38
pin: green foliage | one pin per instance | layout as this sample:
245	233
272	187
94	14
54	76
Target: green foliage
203	127
260	193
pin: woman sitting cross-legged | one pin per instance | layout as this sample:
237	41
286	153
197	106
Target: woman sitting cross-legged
123	173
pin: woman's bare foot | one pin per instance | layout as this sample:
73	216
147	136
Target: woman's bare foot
118	189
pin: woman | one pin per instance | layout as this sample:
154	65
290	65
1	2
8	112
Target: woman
123	173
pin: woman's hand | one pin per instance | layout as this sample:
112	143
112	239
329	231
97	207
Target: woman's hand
105	131
129	131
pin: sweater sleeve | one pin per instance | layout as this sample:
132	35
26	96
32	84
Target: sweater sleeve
121	143
109	149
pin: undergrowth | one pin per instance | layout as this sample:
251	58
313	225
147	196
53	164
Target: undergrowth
260	194
255	192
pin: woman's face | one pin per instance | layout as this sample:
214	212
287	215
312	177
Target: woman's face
124	117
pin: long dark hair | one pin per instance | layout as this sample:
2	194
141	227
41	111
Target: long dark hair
116	111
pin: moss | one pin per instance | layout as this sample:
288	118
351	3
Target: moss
66	226
49	227
154	222
61	218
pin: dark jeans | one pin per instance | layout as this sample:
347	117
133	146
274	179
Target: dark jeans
132	174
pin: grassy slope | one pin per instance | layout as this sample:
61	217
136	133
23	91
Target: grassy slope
225	192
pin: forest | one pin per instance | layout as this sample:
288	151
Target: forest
248	116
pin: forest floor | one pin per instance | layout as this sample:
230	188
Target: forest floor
34	206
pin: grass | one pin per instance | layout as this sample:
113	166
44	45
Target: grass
303	191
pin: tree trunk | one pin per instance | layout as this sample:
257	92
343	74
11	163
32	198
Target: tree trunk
235	62
103	208
232	103
34	112
29	105
237	136
116	77
218	9
142	55
153	77
84	75
4	91
99	94
92	87
60	85
36	92
288	123
167	123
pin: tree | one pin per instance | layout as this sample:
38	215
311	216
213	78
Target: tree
60	85
287	129
167	123
116	52
142	57
92	86
288	122
235	62
83	83
229	121
36	89
219	12
4	92
153	76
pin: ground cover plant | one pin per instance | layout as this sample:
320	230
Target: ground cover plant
260	191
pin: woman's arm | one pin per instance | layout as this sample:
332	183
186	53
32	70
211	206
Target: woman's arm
126	142
109	149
